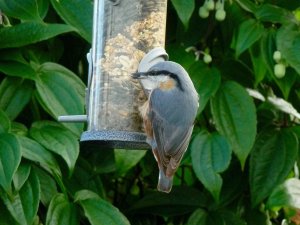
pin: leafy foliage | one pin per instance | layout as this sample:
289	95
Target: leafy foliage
242	164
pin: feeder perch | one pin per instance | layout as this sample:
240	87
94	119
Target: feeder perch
128	36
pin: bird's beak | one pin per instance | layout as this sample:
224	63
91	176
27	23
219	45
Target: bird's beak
139	75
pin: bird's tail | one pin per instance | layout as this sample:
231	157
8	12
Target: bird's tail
164	183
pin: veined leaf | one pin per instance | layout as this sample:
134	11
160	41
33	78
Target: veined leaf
259	66
78	14
24	205
211	155
286	83
178	53
247	5
5	124
47	185
267	49
15	93
6	218
14	55
21	175
19	129
288	43
98	211
198	217
274	14
180	200
235	117
61	92
10	157
248	33
203	217
85	177
254	216
206	80
286	194
126	159
272	158
61	212
184	10
17	69
25	9
35	152
57	139
30	32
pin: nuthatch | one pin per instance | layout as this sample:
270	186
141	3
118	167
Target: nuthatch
168	116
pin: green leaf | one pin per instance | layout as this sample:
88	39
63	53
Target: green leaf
12	55
211	155
179	201
219	217
85	176
272	158
206	80
256	216
5	123
285	195
6	218
62	212
231	218
238	71
286	83
126	159
29	33
61	92
248	33
21	175
247	5
184	10
24	205
288	43
10	157
274	14
17	69
234	114
43	7
47	185
259	66
77	13
19	129
15	93
35	152
24	9
232	188
57	139
98	211
267	49
102	161
198	217
178	53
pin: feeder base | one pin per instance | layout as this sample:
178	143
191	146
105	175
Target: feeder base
114	139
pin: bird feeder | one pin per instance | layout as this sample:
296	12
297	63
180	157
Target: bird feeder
128	36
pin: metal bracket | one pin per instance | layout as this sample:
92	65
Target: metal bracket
81	118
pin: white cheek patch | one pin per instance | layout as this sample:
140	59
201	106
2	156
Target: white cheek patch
160	78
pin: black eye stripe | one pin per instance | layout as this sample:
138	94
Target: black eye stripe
166	73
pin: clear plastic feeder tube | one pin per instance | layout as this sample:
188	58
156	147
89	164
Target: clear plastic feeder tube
123	32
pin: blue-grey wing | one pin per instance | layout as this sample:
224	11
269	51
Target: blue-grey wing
172	123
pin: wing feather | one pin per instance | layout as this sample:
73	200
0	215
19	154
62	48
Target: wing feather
171	130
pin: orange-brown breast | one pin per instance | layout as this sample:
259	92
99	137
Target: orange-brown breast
167	85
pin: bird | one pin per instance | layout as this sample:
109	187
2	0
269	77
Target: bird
168	116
